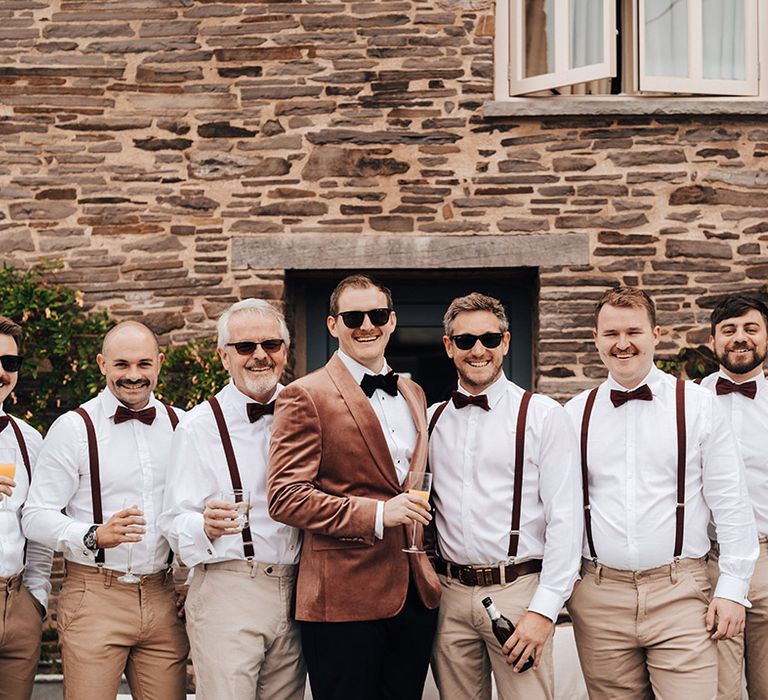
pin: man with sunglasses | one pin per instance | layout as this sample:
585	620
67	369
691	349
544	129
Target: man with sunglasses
499	456
245	643
95	496
344	439
24	567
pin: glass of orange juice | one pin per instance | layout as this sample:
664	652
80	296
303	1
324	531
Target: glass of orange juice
418	485
7	469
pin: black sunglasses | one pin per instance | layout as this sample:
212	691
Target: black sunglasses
466	341
354	319
11	363
248	347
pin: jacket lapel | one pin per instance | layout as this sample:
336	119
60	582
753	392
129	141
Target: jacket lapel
419	459
365	418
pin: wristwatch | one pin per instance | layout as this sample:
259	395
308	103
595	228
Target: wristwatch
89	539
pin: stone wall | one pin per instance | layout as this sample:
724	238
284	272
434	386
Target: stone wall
138	138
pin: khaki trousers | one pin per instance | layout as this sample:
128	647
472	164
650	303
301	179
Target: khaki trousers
750	648
466	651
245	643
20	631
107	627
642	634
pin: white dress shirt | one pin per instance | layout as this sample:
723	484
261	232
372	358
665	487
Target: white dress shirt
133	461
37	570
472	458
199	472
632	460
396	423
749	420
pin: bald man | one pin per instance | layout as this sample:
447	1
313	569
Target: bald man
95	495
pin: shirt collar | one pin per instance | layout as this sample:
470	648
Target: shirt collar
493	392
652	379
110	402
357	370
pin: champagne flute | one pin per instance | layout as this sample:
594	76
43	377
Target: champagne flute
8	461
129	576
418	485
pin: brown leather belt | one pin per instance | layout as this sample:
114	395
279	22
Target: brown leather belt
487	575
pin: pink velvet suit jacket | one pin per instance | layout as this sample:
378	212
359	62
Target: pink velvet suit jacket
328	466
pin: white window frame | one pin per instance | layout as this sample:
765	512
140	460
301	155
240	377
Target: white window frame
696	82
508	102
562	74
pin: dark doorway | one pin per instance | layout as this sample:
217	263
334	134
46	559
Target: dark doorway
420	300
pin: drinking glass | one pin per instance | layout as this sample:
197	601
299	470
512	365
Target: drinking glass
241	499
8	461
129	576
418	485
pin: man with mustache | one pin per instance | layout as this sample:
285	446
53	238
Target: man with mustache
657	456
344	440
24	567
507	514
96	496
739	339
245	643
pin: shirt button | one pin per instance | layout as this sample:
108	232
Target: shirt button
209	551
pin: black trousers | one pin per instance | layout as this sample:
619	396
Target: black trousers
376	659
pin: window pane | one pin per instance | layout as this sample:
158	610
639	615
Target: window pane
724	39
666	38
539	37
586	23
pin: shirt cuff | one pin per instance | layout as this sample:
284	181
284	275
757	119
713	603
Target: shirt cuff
546	603
378	529
194	545
732	588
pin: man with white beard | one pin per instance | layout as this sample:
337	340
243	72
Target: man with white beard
244	641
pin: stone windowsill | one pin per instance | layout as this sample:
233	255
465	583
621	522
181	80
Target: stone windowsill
554	106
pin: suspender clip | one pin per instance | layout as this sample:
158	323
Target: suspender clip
588	506
514	532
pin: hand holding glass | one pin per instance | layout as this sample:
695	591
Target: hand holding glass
418	485
129	576
240	500
7	469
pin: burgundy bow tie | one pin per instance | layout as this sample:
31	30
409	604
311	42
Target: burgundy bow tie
725	386
619	398
4	420
461	400
257	410
146	415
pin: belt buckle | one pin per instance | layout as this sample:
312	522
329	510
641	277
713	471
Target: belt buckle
463	574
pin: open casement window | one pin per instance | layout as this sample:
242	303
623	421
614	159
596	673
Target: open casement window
705	47
555	43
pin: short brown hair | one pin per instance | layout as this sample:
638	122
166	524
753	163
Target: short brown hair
8	327
475	302
627	298
357	282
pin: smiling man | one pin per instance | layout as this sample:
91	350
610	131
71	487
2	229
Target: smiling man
245	643
739	339
95	496
507	511
25	568
658	456
345	438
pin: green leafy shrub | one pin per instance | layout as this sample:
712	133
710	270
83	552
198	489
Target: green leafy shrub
61	341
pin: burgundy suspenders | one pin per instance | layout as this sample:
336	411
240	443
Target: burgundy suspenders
234	473
517	498
681	463
93	466
22	446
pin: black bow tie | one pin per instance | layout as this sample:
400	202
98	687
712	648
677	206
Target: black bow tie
146	416
619	398
725	386
258	410
4	420
461	400
385	382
